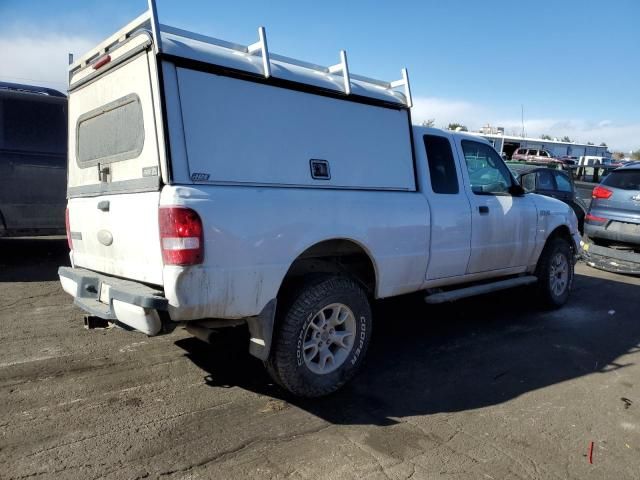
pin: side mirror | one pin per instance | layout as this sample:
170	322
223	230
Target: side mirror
516	190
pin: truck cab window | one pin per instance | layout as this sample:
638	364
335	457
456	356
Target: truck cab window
488	174
442	169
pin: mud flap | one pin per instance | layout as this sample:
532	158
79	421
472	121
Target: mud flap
261	331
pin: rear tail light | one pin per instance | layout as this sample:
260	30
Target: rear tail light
601	192
593	219
66	223
181	236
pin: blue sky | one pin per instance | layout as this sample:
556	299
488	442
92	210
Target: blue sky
572	64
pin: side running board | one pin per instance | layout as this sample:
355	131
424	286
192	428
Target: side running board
453	295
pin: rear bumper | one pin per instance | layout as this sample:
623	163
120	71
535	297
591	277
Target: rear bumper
600	231
136	305
610	259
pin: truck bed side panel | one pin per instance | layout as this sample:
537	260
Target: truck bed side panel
252	236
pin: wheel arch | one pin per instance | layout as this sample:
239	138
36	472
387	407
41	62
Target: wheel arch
561	231
329	256
336	255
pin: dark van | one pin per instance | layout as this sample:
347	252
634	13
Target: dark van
33	160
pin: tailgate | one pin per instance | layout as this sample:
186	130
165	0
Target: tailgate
114	168
118	235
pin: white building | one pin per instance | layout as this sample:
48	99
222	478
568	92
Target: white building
508	144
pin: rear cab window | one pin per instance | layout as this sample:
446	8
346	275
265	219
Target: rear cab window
442	168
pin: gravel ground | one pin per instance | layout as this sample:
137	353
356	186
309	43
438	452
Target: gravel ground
489	388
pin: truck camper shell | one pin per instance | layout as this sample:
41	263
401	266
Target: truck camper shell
235	114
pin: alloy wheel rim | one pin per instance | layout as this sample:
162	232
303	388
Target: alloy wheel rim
559	274
329	338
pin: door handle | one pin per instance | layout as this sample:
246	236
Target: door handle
483	209
103	205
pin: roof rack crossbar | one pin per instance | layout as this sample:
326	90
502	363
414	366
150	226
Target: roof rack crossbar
404	82
343	68
261	47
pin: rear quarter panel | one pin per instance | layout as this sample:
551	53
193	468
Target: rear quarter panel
253	235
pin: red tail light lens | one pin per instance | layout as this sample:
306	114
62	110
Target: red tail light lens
181	236
66	223
101	62
601	192
593	219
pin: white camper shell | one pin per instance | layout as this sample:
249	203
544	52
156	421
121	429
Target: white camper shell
217	184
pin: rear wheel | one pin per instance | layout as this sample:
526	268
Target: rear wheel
323	336
555	273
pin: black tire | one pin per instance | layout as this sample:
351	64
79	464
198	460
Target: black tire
549	297
286	363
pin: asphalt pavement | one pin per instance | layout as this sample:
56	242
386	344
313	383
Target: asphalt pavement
486	388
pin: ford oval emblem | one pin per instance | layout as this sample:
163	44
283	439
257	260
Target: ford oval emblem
105	237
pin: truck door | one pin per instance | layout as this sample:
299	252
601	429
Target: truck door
450	211
503	226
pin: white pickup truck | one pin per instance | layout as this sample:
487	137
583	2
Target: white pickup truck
213	184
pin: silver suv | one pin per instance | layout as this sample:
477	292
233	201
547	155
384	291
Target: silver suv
612	224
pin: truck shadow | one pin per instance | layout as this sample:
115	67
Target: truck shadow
34	259
471	354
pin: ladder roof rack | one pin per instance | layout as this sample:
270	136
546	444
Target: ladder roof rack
255	59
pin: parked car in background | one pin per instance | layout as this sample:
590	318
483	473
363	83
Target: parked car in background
610	162
594	160
33	159
612	224
551	183
534	155
568	160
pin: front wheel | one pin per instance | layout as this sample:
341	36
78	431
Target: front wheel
555	273
322	337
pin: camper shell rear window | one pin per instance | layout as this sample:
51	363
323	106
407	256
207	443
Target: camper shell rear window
111	133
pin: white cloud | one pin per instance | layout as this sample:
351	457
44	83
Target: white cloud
618	136
445	111
39	58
